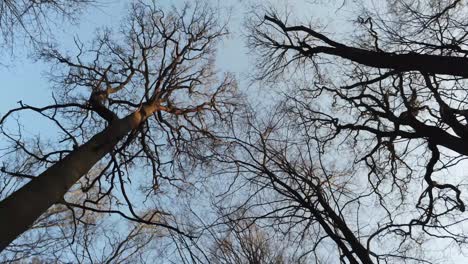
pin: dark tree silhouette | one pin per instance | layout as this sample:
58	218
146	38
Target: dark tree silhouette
289	192
391	104
354	163
147	96
244	242
31	20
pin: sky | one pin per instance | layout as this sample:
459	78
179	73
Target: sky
23	77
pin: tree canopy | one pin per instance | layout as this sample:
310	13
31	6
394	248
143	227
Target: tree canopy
355	155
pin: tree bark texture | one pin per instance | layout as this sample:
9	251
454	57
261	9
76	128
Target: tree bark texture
19	211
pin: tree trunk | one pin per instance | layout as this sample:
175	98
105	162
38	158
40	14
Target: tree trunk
337	222
19	211
340	224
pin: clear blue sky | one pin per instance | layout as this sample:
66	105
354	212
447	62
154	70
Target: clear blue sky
23	78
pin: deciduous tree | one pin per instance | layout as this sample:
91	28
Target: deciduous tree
147	96
389	99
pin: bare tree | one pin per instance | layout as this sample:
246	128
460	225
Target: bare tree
352	165
31	20
316	201
393	100
67	234
245	242
290	194
145	97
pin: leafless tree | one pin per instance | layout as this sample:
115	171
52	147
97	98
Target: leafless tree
353	164
280	185
67	234
31	20
245	242
139	105
391	98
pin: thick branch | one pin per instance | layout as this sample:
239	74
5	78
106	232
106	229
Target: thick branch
434	64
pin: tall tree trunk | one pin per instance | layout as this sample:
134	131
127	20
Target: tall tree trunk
335	220
340	224
19	211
